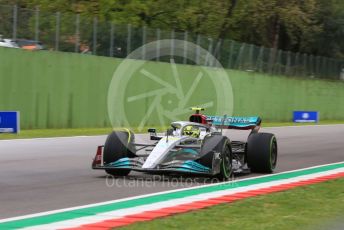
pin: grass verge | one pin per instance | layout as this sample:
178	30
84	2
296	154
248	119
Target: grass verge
36	133
311	207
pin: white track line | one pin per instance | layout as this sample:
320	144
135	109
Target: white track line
171	203
148	195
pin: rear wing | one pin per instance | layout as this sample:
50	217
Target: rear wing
235	122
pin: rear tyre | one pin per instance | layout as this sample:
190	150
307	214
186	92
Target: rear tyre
262	152
119	144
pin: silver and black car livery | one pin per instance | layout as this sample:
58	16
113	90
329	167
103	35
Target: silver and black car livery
196	146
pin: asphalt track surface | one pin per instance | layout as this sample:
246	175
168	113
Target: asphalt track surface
39	175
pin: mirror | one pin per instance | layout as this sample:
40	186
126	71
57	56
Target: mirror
169	132
152	130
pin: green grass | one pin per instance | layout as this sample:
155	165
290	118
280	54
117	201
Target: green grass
35	133
310	207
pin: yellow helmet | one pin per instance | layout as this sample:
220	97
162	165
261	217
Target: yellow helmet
191	131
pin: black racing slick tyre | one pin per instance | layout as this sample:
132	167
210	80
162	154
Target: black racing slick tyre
262	152
226	163
219	144
119	144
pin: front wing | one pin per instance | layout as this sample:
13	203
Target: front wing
136	163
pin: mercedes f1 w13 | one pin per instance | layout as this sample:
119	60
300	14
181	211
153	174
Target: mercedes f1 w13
196	146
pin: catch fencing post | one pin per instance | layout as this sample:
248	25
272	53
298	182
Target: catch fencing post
311	65
231	50
322	67
260	60
210	48
172	43
95	24
185	47
144	35
128	39
57	31
217	53
272	60
15	21
198	48
317	66
37	24
111	39
297	65
304	63
238	64
77	33
158	45
341	77
250	56
287	68
279	63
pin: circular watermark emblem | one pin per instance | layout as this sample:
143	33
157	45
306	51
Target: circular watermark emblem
145	93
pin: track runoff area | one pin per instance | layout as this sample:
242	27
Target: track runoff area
116	213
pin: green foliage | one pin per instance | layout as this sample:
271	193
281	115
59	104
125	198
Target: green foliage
312	26
331	15
318	206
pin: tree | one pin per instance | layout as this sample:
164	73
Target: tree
313	26
276	23
330	41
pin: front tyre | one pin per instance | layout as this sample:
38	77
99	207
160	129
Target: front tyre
217	144
119	144
262	152
226	163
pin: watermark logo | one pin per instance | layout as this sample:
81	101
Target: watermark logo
165	181
143	93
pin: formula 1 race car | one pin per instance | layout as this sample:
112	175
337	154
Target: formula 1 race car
196	146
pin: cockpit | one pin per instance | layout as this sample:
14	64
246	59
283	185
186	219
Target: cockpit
191	129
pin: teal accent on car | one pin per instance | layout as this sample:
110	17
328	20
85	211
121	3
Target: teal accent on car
235	121
192	165
191	151
120	163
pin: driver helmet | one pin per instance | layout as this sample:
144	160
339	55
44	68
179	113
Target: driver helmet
191	131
